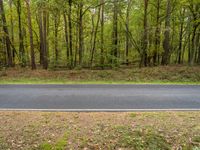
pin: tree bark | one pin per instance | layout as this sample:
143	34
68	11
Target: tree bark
127	30
45	52
102	35
181	37
70	33
33	65
66	37
145	36
81	33
7	38
157	34
95	37
166	42
115	33
21	36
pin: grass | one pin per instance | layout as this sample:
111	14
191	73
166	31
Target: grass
137	131
156	75
59	145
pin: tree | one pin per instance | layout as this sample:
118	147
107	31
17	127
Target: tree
102	35
114	52
166	42
21	36
145	36
7	38
33	65
157	33
129	2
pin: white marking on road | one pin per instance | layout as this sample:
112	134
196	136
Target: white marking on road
97	110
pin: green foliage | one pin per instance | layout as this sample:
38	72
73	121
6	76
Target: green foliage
133	115
55	10
59	145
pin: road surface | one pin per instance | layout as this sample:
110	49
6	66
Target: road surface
99	97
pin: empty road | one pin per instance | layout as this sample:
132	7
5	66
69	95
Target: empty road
99	97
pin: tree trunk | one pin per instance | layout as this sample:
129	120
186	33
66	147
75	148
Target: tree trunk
81	33
66	36
157	34
7	39
33	65
70	33
166	42
181	37
12	28
127	31
56	24
115	33
102	35
40	23
95	37
145	36
45	59
21	37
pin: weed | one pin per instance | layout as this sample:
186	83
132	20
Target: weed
59	145
141	140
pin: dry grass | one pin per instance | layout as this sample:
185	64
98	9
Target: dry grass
154	74
162	130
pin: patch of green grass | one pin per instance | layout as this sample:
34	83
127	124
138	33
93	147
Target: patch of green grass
3	144
59	145
133	115
141	139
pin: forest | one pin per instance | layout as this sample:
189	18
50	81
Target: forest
99	33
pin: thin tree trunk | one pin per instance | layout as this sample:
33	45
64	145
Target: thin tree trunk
115	33
181	37
102	35
45	61
21	37
157	34
7	38
33	65
145	36
166	42
95	37
66	36
127	31
56	24
12	28
81	33
70	33
40	23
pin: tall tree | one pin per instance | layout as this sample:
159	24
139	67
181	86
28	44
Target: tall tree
21	36
182	14
115	33
95	37
70	32
80	22
166	42
102	34
7	38
145	36
157	33
33	65
127	30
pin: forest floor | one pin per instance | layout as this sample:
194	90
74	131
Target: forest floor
138	131
167	74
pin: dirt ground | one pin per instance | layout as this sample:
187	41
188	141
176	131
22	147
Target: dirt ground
144	75
138	131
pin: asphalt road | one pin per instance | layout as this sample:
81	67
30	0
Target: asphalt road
99	97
